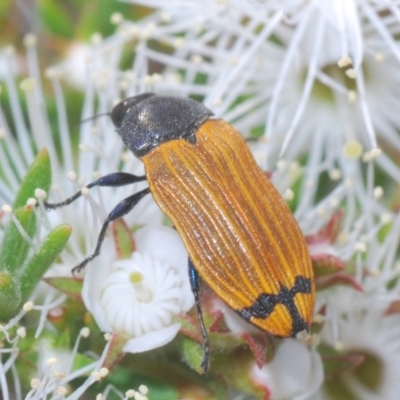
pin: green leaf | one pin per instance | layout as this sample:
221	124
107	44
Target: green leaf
38	176
326	264
43	259
234	369
70	286
123	238
10	296
56	18
115	353
192	352
15	248
190	327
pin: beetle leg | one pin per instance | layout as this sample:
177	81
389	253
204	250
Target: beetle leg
111	180
195	286
121	209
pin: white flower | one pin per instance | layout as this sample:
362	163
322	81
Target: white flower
327	102
141	296
357	325
75	65
319	82
295	372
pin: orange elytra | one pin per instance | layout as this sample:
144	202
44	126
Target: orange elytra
241	237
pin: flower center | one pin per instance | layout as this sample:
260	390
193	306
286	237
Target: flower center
143	294
321	91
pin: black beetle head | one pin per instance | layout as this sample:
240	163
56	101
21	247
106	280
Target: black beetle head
148	120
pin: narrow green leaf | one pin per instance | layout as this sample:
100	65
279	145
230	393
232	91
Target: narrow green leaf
326	264
38	176
56	19
10	296
70	286
15	248
43	259
115	353
123	238
192	352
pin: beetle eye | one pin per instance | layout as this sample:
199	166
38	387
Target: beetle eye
118	114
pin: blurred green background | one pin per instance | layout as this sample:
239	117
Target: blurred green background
59	22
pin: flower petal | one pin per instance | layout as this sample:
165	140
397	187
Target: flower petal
152	340
294	373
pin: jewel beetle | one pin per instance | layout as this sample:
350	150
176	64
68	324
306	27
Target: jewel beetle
241	237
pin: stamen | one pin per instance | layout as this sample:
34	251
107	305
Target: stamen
40	194
288	194
360	247
378	192
352	96
386	218
85	332
104	372
28	306
344	61
30	40
165	17
21	332
351	73
116	18
35	383
217	103
130	393
83	147
335	174
52	361
376	152
71	175
353	149
338	345
96	376
6	208
96	38
31	202
61	390
143	389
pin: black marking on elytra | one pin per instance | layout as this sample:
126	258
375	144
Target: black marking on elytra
265	304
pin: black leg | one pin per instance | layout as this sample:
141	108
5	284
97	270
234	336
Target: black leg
121	209
194	283
111	180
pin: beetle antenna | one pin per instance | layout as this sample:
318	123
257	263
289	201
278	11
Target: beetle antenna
93	118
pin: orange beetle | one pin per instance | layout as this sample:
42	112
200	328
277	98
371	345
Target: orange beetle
241	237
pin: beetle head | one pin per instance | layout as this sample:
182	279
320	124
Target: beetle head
148	120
